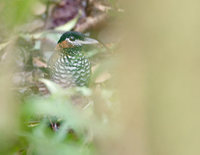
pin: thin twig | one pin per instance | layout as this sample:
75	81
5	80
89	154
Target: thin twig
91	22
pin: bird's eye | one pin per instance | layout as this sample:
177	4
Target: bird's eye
72	38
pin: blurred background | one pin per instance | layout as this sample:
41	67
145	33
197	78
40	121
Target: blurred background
143	98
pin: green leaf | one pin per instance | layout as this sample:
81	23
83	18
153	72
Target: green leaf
3	45
69	25
84	91
52	87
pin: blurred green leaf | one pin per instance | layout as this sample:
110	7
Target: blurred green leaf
52	87
59	107
84	91
3	45
16	12
69	25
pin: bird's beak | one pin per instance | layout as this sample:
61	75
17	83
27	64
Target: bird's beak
88	41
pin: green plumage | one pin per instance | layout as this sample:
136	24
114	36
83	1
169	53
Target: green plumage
69	67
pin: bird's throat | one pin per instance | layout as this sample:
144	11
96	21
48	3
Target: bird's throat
72	51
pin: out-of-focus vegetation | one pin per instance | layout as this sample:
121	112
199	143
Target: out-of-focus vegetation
29	33
143	96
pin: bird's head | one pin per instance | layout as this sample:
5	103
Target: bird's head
72	39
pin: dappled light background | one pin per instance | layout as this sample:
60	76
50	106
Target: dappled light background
145	96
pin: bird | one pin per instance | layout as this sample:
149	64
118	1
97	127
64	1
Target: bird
68	66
